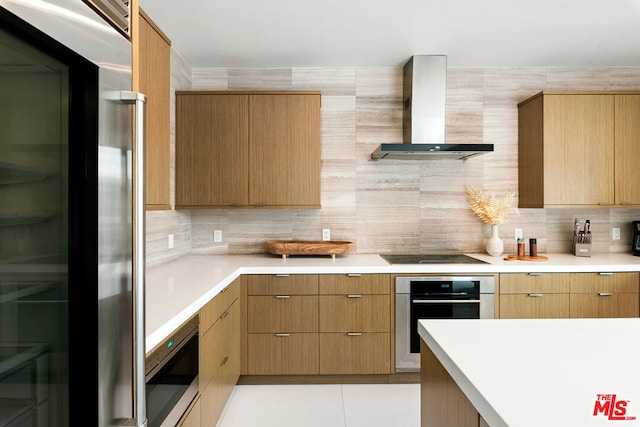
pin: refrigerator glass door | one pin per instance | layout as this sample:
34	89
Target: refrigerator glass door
66	351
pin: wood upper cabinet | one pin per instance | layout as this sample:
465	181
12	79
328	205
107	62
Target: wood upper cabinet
577	148
247	149
151	76
627	153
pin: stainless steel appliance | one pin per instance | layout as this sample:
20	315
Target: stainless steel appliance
436	297
423	117
172	376
72	303
431	259
635	248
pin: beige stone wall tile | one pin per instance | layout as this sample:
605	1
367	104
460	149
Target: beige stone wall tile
330	81
260	79
210	79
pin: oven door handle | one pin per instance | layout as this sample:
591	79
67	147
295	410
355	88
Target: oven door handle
445	301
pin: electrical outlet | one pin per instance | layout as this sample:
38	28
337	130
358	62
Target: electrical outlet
217	236
170	241
326	234
615	233
518	233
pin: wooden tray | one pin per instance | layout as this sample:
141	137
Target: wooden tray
308	247
526	258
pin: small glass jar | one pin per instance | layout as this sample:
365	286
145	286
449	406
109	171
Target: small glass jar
520	247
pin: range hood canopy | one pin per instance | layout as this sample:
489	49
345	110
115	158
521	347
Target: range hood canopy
423	117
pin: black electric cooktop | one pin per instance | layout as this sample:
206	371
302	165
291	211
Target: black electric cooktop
431	259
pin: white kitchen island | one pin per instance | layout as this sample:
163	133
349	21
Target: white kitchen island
521	373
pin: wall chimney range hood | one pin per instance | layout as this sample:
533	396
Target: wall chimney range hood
423	117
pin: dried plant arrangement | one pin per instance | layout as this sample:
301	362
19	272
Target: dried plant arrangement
489	208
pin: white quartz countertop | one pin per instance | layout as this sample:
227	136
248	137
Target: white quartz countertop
176	291
545	372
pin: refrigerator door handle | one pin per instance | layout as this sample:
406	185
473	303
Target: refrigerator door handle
139	353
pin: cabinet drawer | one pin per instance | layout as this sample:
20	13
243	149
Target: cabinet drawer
534	306
609	305
218	305
366	353
282	354
517	283
192	417
590	283
355	283
220	348
282	313
297	284
355	313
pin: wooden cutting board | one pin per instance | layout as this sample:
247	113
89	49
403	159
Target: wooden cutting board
526	258
308	247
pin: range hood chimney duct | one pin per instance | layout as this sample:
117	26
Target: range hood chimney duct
423	117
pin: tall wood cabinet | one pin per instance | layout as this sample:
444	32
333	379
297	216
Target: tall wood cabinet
151	76
247	149
579	149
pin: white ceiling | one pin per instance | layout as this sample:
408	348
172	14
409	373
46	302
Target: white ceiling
382	33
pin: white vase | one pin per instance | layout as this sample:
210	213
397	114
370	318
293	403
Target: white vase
495	245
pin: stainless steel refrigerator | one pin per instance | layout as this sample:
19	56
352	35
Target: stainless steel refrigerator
71	279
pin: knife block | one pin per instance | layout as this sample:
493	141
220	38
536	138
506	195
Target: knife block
580	247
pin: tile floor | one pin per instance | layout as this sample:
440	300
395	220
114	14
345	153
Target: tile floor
326	405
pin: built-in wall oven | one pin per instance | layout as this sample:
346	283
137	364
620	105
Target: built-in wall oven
436	297
172	376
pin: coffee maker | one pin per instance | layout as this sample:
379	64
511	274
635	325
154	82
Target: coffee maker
635	246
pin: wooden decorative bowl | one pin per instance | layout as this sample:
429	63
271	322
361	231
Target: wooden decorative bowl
308	247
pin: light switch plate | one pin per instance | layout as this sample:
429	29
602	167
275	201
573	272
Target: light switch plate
170	241
326	234
217	236
518	233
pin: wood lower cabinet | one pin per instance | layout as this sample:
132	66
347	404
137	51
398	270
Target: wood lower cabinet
318	324
247	149
605	295
355	324
563	295
283	354
219	353
534	295
355	353
282	324
192	418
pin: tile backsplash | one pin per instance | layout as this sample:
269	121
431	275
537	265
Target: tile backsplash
396	205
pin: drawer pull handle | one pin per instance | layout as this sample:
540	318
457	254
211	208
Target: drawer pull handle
282	335
535	295
354	275
282	296
535	274
605	294
225	314
606	273
354	296
224	361
354	334
282	275
226	288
